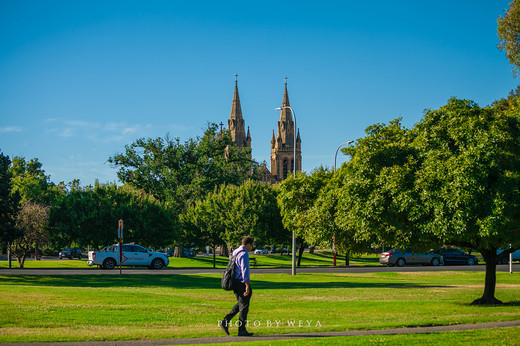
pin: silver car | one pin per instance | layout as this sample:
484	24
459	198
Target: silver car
401	258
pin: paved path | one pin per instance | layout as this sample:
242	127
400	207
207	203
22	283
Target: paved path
294	336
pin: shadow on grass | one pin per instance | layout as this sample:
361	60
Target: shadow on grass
182	281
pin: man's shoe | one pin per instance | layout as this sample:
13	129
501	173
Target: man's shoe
224	326
244	333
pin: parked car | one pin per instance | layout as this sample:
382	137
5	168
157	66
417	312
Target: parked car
515	255
261	251
401	258
190	253
70	253
456	256
279	249
133	255
168	252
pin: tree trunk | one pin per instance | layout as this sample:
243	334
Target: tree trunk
21	261
300	253
347	258
214	259
488	298
179	251
311	250
225	250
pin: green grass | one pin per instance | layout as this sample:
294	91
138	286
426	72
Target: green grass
318	259
500	336
108	307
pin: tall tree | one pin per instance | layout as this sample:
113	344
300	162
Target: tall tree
31	222
469	180
509	34
296	199
231	212
453	179
30	181
8	202
89	215
183	173
322	222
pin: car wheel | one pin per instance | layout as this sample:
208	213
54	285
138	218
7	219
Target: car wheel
435	261
471	261
157	264
401	262
109	263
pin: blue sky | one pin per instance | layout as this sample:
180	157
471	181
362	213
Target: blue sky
81	79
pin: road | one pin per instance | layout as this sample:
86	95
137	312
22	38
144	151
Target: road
173	271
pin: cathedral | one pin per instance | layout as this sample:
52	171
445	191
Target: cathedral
282	145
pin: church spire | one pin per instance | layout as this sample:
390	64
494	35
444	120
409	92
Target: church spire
236	109
236	124
285	102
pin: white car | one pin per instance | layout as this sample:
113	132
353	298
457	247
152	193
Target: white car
261	251
133	255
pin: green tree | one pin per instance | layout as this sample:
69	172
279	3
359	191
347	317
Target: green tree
8	202
509	34
231	212
30	181
31	223
322	221
183	173
296	199
469	180
89	216
453	179
378	198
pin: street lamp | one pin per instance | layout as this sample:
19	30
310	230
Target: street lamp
293	271
335	157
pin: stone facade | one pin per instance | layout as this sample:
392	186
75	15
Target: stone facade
282	145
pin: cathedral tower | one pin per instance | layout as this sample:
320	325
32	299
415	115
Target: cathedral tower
236	122
282	146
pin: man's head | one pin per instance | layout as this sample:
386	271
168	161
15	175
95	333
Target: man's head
248	242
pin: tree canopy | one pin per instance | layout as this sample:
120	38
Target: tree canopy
453	179
509	34
182	173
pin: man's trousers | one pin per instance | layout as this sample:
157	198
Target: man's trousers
241	307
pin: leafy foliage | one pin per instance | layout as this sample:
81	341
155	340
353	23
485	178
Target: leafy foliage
184	173
31	223
453	179
88	216
509	34
8	202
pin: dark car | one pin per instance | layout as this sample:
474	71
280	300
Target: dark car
456	256
70	253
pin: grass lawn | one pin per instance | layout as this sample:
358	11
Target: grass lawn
108	307
318	259
501	336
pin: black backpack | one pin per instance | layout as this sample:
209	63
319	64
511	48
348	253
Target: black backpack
229	274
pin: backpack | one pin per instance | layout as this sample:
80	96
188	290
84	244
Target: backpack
229	274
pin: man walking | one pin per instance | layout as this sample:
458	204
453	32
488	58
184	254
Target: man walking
242	288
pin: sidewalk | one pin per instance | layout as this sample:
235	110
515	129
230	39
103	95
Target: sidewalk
265	338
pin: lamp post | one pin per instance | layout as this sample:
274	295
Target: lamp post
335	157
293	270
